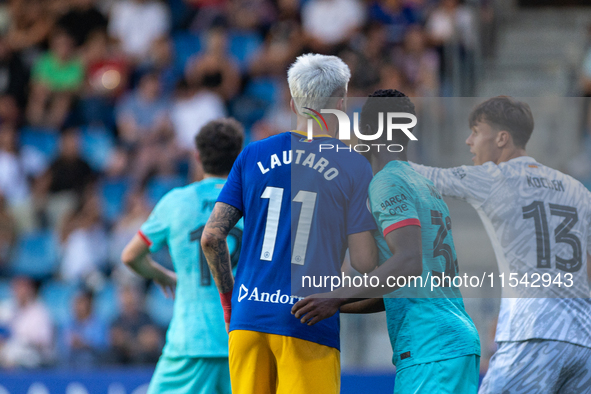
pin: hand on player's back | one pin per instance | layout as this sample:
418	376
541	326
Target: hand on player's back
313	309
167	283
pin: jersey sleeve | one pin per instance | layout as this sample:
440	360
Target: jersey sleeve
155	230
359	217
232	192
469	183
392	205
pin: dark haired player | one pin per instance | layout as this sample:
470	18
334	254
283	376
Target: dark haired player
435	344
539	222
195	357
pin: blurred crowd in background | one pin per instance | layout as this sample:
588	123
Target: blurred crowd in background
100	101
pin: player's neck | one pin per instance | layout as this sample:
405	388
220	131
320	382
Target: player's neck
205	176
510	154
302	125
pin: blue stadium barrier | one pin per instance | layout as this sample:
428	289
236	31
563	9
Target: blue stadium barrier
112	194
58	298
97	145
126	380
45	141
158	306
36	255
160	185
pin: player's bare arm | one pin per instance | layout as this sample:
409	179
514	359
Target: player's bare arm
136	256
213	243
370	305
363	251
407	260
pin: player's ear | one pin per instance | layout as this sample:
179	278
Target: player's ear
503	139
292	106
198	157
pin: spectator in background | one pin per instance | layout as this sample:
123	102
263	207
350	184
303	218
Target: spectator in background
324	32
135	339
194	106
82	19
31	24
57	190
450	28
143	114
84	242
136	24
161	60
14	74
84	336
30	341
143	120
136	213
419	64
56	79
7	235
395	15
106	79
214	67
16	167
282	44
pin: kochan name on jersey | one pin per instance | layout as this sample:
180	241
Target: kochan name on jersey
274	297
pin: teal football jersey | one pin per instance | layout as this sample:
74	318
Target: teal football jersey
197	328
424	325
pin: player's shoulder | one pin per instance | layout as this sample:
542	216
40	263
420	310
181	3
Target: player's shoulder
177	195
394	174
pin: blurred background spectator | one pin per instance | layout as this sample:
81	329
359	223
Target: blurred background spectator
84	336
135	339
29	341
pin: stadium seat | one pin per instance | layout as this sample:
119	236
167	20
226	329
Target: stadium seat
45	141
185	46
159	186
113	194
36	255
97	147
242	46
58	297
106	306
265	89
5	292
158	306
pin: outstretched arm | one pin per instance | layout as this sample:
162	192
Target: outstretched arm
470	183
213	243
137	258
406	260
371	305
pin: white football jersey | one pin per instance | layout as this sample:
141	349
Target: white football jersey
539	221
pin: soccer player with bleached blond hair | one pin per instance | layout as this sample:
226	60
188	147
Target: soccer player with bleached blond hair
302	208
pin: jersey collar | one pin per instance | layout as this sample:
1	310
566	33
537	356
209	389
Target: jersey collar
306	134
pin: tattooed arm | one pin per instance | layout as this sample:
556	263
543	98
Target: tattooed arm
213	243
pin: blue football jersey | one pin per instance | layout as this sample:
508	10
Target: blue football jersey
197	327
299	204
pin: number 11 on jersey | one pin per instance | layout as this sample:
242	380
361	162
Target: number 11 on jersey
300	245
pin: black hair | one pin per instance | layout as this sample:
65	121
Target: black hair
386	100
219	143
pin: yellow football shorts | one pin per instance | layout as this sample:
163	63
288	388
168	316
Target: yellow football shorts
262	363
